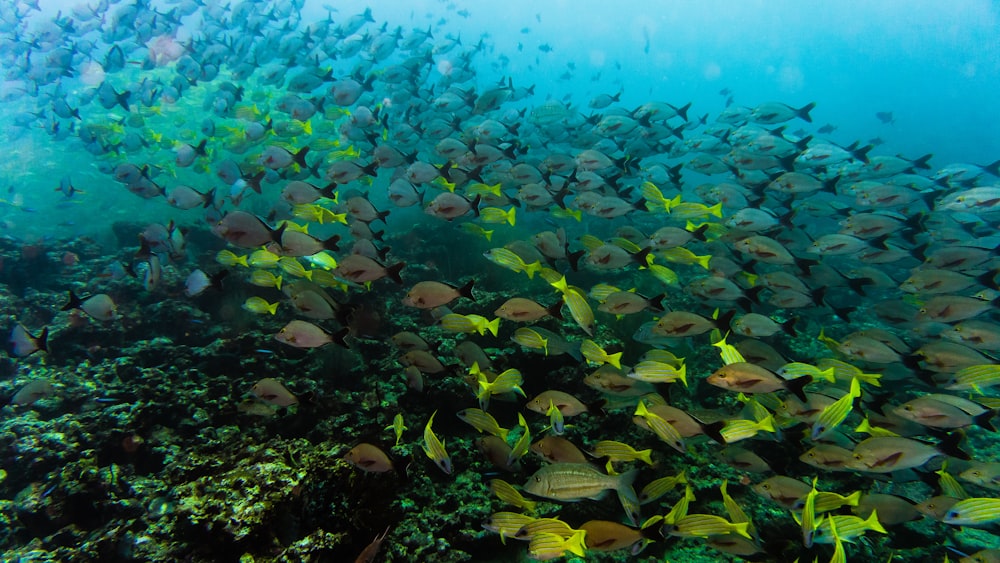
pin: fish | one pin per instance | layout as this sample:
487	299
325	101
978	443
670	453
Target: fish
887	454
704	525
571	482
272	391
302	334
749	378
24	344
369	458
98	307
434	448
431	294
482	421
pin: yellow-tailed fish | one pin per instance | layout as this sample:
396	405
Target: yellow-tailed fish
798	369
681	255
556	420
264	278
737	430
848	527
482	421
327	278
736	513
618	451
547	546
580	310
560	213
546	526
229	258
531	339
949	485
595	354
263	258
507	524
470	323
693	210
260	306
507	493
705	525
523	444
293	267
730	355
495	216
479	188
434	448
322	261
659	487
397	427
976	378
601	291
809	523
663	429
845	371
680	508
507	381
829	501
973	512
664	274
652	371
834	414
655	201
509	259
664	357
866	428
830	343
476	230
591	243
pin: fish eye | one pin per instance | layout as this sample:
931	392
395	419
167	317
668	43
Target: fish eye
538	479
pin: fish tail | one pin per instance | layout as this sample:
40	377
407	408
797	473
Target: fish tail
615	359
493	326
796	386
511	219
803	112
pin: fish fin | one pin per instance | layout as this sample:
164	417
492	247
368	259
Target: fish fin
466	290
796	386
950	446
392	272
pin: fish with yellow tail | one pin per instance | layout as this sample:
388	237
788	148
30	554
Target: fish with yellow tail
434	447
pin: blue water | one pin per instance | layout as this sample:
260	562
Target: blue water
935	66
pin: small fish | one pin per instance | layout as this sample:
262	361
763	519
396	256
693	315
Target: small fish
595	354
482	421
431	294
302	334
23	343
369	458
704	525
434	447
99	307
273	392
260	306
470	323
973	512
618	451
834	414
397	427
507	493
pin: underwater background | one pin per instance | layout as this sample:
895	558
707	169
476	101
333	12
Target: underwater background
255	257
